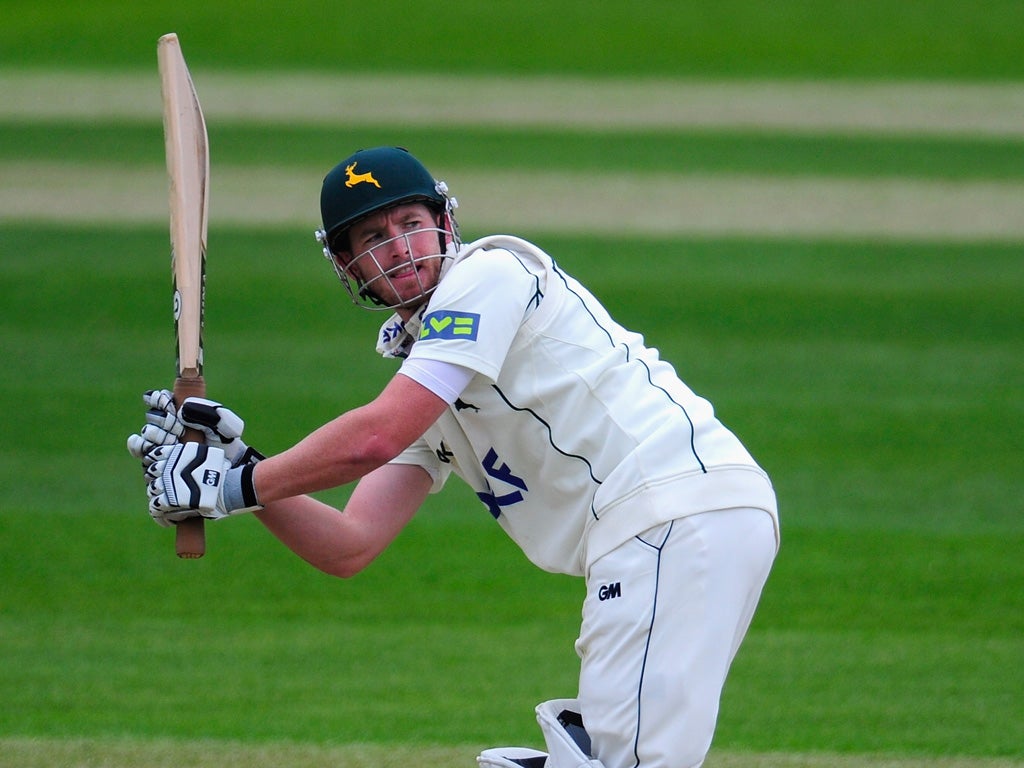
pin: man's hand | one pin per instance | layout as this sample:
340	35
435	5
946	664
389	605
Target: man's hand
162	427
193	479
221	427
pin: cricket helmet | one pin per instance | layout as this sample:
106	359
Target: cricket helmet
369	181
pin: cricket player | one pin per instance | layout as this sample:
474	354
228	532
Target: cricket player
581	443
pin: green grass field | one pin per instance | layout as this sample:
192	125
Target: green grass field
734	38
877	378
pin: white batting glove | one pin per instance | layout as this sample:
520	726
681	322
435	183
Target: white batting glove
221	427
196	480
162	427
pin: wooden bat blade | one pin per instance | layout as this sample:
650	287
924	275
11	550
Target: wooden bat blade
188	171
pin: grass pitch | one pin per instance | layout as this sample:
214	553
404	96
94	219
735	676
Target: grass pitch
124	753
875	383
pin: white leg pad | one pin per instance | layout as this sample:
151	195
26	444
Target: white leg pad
511	757
568	743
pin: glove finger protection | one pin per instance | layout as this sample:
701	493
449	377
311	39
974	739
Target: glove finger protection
159	400
193	479
163	427
185	479
222	428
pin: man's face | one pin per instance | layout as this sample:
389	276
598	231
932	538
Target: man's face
396	254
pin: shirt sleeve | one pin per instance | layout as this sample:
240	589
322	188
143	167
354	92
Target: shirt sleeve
475	313
446	380
420	454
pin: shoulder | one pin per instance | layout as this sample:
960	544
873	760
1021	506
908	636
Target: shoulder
503	253
479	307
492	269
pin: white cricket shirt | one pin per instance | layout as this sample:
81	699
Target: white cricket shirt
574	435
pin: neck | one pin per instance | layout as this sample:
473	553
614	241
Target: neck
407	312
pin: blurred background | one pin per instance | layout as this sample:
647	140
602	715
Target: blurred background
814	210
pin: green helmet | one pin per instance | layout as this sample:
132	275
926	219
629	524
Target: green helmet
370	180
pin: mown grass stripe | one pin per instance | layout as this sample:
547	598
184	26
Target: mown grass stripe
633	151
816	106
557	202
131	753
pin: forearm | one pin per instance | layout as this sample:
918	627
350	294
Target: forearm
318	533
343	543
352	445
340	452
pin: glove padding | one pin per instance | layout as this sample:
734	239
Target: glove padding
197	480
221	427
162	427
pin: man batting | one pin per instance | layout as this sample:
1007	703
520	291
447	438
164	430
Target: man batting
585	447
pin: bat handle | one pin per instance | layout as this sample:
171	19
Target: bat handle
190	533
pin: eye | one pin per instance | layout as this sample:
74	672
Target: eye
370	238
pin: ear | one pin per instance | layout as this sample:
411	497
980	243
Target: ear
342	259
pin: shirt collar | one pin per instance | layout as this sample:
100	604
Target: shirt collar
396	337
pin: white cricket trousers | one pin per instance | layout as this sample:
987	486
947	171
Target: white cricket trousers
662	620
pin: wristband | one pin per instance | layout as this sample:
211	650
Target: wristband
239	492
250	456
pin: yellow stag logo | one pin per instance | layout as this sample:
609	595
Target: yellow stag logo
359	178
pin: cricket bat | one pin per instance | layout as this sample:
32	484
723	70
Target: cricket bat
188	170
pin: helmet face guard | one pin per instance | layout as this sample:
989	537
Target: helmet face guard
370	292
366	183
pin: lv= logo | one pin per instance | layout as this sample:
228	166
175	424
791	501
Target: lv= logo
445	324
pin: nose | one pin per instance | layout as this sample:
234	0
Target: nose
396	245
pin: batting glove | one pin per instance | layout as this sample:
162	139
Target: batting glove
162	427
197	480
221	427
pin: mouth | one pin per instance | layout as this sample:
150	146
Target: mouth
403	272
